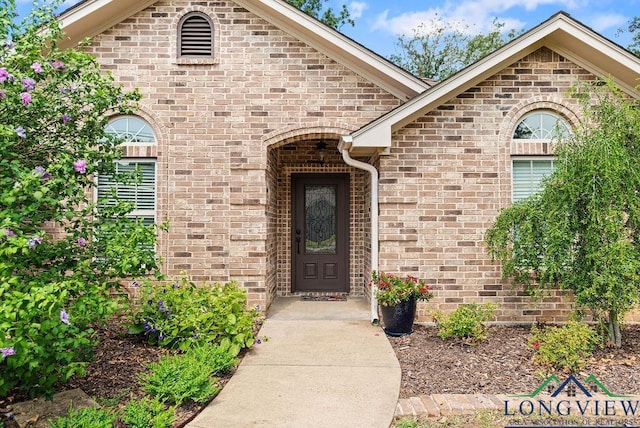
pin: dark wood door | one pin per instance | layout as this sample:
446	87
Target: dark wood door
320	233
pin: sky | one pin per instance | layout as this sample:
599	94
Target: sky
379	23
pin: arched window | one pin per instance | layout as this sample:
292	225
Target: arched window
528	171
541	125
140	193
131	129
195	36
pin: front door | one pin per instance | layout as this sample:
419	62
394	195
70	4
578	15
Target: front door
320	233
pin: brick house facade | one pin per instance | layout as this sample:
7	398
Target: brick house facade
262	132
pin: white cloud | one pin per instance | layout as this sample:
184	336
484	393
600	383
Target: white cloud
603	22
357	8
474	16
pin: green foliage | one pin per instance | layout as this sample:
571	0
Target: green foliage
565	348
87	417
442	48
581	231
147	413
406	423
634	30
391	289
330	17
468	321
178	378
179	314
60	258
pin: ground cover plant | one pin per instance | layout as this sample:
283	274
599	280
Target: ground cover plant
188	376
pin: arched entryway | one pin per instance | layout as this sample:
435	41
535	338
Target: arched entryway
306	173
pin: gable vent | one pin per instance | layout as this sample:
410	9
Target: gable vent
196	36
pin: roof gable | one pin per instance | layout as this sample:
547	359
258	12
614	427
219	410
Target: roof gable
91	17
560	33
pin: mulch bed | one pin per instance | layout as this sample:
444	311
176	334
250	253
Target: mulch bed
112	377
501	364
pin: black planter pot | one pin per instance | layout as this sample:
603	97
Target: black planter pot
398	319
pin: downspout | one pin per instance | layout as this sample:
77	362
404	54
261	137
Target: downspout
344	146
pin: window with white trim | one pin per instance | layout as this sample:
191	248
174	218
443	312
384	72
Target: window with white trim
195	36
527	172
141	193
131	130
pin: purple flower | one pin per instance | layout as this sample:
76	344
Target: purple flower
4	74
8	44
66	118
42	173
7	352
25	98
28	83
150	302
36	67
80	166
135	283
161	336
58	65
195	335
258	341
21	132
9	233
64	317
81	242
147	327
34	242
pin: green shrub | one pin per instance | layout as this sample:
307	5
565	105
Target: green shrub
565	348
180	314
468	321
84	418
189	376
147	413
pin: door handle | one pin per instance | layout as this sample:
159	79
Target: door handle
298	244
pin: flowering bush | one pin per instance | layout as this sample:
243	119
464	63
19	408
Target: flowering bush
391	290
181	314
60	257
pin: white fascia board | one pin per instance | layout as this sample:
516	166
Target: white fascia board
92	17
337	46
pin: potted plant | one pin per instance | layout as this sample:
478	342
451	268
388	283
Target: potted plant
398	298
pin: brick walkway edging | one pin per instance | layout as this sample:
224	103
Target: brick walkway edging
438	405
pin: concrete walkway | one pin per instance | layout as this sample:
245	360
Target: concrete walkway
323	365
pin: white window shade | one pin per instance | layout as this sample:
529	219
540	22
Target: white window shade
142	194
527	176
